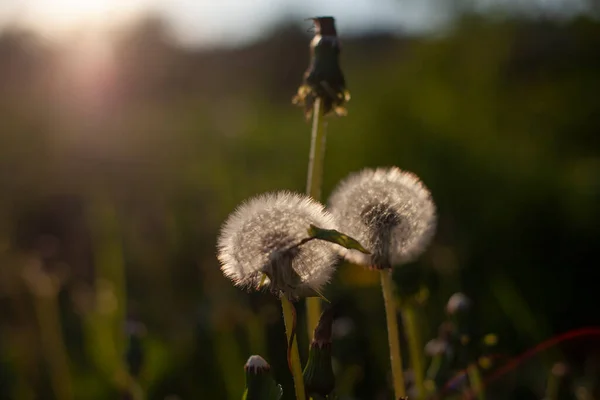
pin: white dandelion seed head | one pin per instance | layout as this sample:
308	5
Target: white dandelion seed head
260	235
389	211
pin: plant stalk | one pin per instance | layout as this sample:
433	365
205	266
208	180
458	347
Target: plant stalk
476	381
48	315
411	328
296	366
393	336
313	189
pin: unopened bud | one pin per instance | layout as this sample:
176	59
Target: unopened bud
458	304
260	384
435	347
318	373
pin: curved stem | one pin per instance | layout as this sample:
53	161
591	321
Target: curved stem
313	189
411	328
296	367
393	336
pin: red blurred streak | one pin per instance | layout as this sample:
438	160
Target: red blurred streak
516	361
463	372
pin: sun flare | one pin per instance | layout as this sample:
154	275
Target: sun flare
58	16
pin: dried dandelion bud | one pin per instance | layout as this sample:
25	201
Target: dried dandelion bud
324	78
262	244
389	211
260	384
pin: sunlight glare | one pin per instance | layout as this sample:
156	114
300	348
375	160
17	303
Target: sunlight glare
62	16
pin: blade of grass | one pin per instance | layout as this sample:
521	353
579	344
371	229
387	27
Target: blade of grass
411	327
48	315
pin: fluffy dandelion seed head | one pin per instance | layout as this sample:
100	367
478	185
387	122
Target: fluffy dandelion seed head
389	211
261	238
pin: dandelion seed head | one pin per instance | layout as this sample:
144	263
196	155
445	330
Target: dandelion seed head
389	211
261	237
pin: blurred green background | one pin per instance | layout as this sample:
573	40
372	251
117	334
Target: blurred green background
120	159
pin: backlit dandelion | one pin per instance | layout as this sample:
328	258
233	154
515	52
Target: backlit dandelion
268	236
389	211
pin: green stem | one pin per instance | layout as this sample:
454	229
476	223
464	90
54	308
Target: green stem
411	327
48	315
552	387
313	189
135	390
288	319
476	381
393	336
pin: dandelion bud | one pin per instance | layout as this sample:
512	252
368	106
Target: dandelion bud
318	373
260	384
458	304
389	211
436	347
324	78
263	244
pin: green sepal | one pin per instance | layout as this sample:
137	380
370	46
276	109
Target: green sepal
318	373
262	386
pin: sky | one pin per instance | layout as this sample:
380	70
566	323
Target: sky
217	22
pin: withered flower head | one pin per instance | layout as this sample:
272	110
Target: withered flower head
324	78
389	211
262	242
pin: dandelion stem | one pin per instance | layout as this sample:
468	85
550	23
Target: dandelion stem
476	381
411	326
313	189
294	355
393	336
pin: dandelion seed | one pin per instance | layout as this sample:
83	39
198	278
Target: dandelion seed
389	211
265	236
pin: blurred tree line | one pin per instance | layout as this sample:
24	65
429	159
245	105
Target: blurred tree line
118	165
